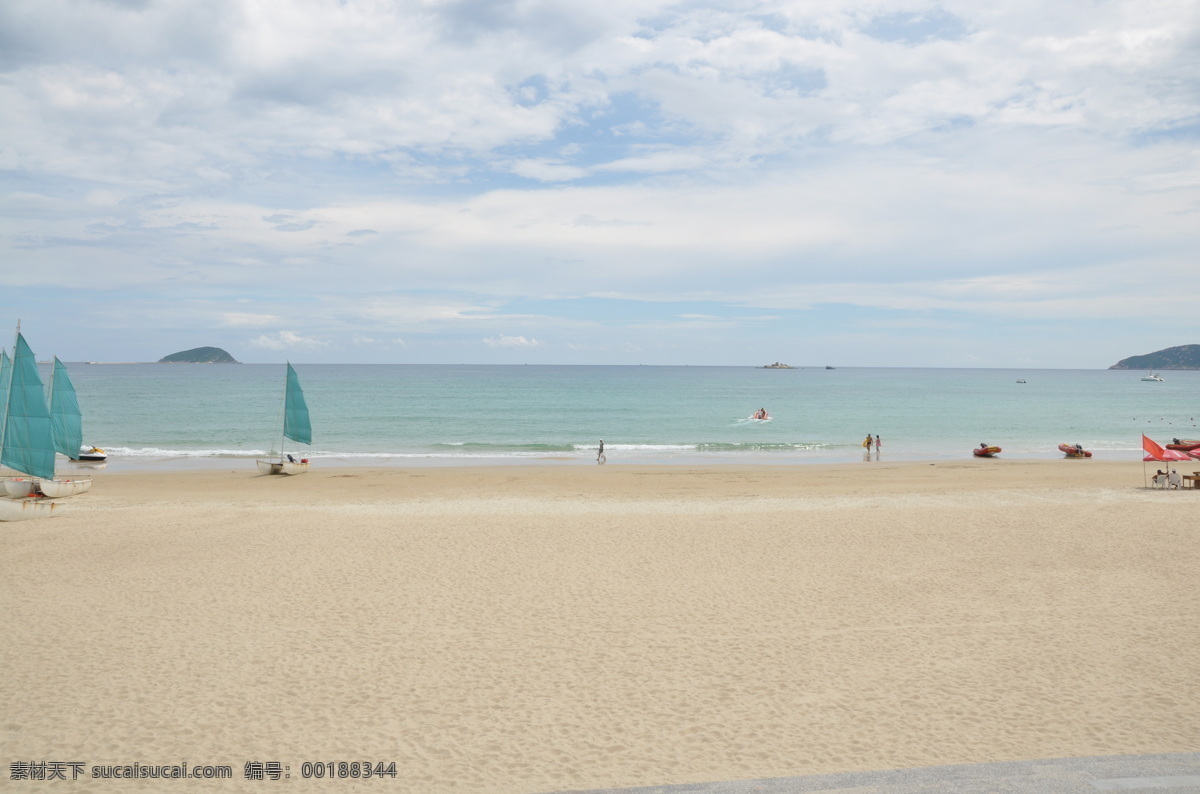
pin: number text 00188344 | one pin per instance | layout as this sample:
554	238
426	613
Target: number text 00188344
347	769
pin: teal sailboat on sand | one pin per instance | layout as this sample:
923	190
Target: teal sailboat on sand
296	426
67	421
26	438
67	424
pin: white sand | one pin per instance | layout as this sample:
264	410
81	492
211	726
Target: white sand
528	629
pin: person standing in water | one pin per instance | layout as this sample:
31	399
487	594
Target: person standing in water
878	444
600	455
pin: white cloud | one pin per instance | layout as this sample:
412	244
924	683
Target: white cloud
545	170
510	341
288	340
445	172
242	320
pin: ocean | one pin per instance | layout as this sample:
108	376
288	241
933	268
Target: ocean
166	415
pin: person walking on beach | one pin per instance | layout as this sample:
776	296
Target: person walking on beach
878	444
600	455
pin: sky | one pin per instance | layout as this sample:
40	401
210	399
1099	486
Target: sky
848	183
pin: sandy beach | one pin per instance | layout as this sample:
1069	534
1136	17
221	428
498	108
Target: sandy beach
528	629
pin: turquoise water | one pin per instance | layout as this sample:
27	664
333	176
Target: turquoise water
422	414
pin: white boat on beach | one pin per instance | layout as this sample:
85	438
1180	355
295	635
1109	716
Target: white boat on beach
16	487
296	426
23	509
67	424
26	436
60	488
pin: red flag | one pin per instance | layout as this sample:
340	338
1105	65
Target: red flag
1155	450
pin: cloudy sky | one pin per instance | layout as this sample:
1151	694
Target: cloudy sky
901	183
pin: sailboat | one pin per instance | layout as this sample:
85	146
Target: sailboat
26	438
295	426
68	431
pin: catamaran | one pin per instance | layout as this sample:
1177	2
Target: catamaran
26	438
68	431
295	426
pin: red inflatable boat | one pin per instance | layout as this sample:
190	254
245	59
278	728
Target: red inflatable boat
1073	451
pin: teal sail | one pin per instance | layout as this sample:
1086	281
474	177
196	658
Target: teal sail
64	412
28	434
295	410
5	381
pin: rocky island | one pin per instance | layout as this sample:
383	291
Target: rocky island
1181	357
777	365
200	355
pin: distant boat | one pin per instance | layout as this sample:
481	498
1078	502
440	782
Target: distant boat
829	367
296	426
1153	376
1020	380
26	436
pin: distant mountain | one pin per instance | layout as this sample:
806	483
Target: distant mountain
1182	357
200	355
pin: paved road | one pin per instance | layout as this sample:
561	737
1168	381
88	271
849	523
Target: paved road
1171	773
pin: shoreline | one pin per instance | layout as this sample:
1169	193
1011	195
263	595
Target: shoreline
147	464
515	630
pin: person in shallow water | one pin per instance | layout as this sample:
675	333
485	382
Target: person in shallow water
600	458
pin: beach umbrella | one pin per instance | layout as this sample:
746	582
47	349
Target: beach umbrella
1155	452
1168	456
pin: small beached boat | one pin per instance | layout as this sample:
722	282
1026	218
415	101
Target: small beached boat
1074	451
16	487
984	451
1184	444
296	426
67	424
26	436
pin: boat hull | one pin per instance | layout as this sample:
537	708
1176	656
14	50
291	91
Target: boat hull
58	489
25	509
1071	452
17	487
281	467
982	452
